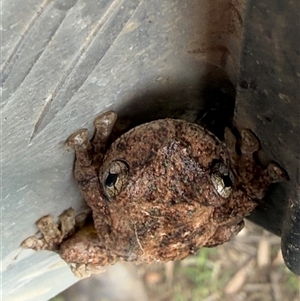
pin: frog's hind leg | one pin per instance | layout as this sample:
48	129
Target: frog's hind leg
52	233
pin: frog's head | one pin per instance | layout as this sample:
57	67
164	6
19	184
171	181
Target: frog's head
170	160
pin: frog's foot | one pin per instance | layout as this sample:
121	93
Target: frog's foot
83	169
84	252
249	143
246	144
276	173
272	172
53	233
85	270
103	124
225	233
89	154
79	141
254	176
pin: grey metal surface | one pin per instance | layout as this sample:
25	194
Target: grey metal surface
267	102
63	62
123	277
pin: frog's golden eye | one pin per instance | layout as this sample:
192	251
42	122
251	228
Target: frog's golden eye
221	178
115	177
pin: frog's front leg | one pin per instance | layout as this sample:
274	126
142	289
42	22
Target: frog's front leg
88	158
89	155
86	251
85	254
254	176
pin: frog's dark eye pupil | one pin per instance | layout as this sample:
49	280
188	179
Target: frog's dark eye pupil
221	178
227	181
114	177
111	179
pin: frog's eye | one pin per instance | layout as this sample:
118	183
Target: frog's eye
114	177
221	178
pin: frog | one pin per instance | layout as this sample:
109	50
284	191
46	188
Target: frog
158	193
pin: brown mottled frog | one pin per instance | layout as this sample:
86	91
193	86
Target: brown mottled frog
158	193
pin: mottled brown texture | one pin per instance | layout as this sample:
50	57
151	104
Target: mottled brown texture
152	193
